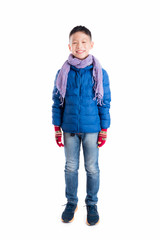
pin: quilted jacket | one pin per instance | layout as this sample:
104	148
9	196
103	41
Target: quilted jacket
80	113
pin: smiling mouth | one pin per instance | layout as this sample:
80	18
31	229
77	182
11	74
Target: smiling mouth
80	51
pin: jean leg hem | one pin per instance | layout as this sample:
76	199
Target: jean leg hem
89	203
72	202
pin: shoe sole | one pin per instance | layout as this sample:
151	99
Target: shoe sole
91	224
72	218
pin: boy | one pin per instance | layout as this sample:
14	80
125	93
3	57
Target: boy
81	106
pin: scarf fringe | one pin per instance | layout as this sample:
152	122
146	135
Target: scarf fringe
61	98
99	99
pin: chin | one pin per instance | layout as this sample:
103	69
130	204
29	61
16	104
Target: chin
81	57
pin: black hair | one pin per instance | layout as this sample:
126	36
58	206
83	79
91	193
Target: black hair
81	29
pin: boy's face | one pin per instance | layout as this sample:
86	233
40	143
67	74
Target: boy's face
80	44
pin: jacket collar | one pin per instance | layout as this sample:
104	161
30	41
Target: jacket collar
81	69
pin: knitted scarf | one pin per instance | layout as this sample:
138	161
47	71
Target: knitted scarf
61	81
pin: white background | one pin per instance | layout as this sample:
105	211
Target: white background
33	46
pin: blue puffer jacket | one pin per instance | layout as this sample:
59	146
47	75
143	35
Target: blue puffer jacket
80	113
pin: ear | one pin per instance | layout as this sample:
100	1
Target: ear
69	46
92	44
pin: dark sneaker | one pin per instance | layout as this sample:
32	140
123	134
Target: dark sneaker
92	215
68	214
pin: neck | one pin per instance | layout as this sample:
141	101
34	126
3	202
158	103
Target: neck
80	58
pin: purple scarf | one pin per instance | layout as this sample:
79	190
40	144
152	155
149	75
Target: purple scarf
61	82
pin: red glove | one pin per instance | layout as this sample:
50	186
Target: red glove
102	137
58	136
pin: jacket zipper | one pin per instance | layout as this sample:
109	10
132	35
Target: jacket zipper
79	76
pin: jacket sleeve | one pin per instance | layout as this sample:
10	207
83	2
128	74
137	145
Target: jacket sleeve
57	109
104	113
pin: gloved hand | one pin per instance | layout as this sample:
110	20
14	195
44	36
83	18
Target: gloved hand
58	136
102	137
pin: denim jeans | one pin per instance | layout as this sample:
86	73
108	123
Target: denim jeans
72	146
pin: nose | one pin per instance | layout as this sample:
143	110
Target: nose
79	45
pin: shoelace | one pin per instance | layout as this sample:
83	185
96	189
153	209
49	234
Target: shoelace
92	209
69	206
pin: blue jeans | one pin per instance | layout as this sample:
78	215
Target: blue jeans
72	146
